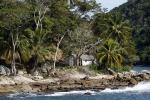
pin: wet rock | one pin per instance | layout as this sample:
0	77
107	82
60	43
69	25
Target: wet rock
144	76
137	78
87	93
127	76
119	77
132	81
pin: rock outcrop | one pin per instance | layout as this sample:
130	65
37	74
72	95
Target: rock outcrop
4	70
86	83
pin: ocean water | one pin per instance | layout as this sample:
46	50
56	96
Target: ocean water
139	92
141	68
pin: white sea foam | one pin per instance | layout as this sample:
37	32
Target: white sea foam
72	93
22	95
145	71
141	87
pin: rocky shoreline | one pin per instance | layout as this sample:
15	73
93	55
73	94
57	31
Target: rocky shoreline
86	83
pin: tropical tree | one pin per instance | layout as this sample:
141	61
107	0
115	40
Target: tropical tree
112	25
80	41
13	41
14	48
111	54
39	48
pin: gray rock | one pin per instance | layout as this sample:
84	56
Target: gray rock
45	69
132	81
7	71
2	70
137	78
111	72
144	76
85	78
87	93
20	72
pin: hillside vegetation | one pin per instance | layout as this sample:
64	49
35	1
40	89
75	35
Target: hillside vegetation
138	12
36	32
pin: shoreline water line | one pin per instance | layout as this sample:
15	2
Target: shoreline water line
142	87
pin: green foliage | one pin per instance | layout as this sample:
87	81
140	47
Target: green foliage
145	55
13	14
111	54
113	26
95	68
122	69
36	26
38	43
137	11
87	6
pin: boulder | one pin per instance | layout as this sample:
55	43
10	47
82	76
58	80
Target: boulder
137	78
20	72
111	72
119	77
144	76
36	73
26	88
85	78
38	78
87	93
132	81
4	70
7	71
45	68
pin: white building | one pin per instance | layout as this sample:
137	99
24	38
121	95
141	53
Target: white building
87	60
83	61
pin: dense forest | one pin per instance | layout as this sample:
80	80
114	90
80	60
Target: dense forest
138	12
33	32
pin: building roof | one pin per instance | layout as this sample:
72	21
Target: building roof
87	57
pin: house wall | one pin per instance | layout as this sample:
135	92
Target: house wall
85	63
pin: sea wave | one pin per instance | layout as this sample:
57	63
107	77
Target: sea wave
72	93
22	95
141	87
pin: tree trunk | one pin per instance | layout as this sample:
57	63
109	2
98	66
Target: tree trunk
55	57
78	60
34	64
14	43
13	64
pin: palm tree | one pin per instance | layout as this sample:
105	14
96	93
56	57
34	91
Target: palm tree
14	47
38	47
115	27
111	54
119	29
